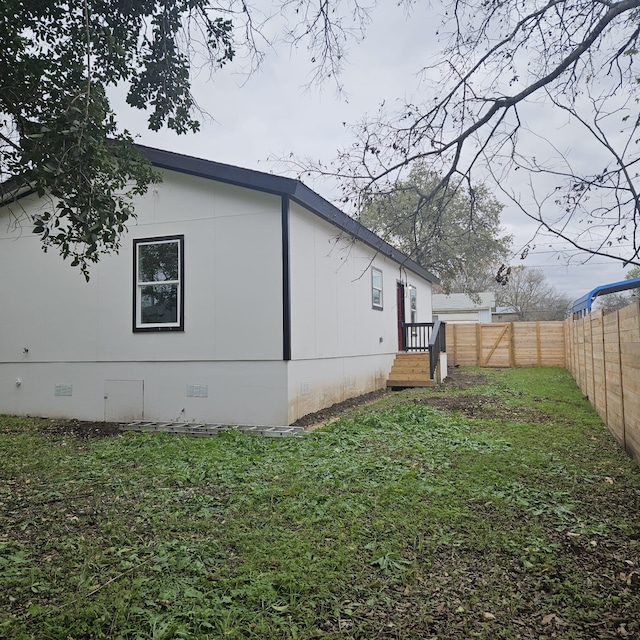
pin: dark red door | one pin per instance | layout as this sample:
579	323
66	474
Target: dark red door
401	319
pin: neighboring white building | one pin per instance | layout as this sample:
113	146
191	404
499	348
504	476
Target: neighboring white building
505	314
238	297
459	308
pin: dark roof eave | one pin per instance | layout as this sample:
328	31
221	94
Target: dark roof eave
260	181
230	174
282	186
13	189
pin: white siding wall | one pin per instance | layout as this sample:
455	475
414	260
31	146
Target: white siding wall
331	293
241	392
233	313
341	346
318	383
80	340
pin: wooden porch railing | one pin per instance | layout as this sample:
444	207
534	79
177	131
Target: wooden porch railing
416	335
425	336
437	345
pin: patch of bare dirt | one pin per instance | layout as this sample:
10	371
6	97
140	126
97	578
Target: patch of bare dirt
336	411
471	405
458	379
83	430
485	407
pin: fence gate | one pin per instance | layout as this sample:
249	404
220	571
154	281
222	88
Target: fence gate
495	345
507	344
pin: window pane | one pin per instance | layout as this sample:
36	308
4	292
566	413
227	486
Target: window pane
377	279
158	262
159	304
377	298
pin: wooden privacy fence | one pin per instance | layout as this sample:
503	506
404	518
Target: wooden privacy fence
602	352
603	355
506	344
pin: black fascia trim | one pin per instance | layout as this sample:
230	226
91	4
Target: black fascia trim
14	189
329	212
227	173
136	242
279	185
268	183
286	282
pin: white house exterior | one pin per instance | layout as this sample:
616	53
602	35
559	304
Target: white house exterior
459	308
238	297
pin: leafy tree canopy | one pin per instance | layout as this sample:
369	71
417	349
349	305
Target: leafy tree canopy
59	59
632	273
634	294
457	234
502	65
615	301
58	133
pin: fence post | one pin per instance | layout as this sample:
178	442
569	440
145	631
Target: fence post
583	353
629	332
604	374
455	346
568	350
598	364
576	349
622	407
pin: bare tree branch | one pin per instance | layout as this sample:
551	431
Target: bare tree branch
573	57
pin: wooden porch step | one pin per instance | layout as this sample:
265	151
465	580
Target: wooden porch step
410	370
397	382
408	366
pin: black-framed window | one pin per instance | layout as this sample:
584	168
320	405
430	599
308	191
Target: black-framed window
413	303
158	279
376	288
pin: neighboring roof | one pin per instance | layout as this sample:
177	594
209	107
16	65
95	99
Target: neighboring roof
584	303
281	186
462	302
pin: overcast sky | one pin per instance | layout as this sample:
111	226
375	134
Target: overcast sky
271	114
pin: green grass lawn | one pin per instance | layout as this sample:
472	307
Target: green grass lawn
499	508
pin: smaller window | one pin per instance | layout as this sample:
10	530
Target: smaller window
376	288
413	304
158	283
